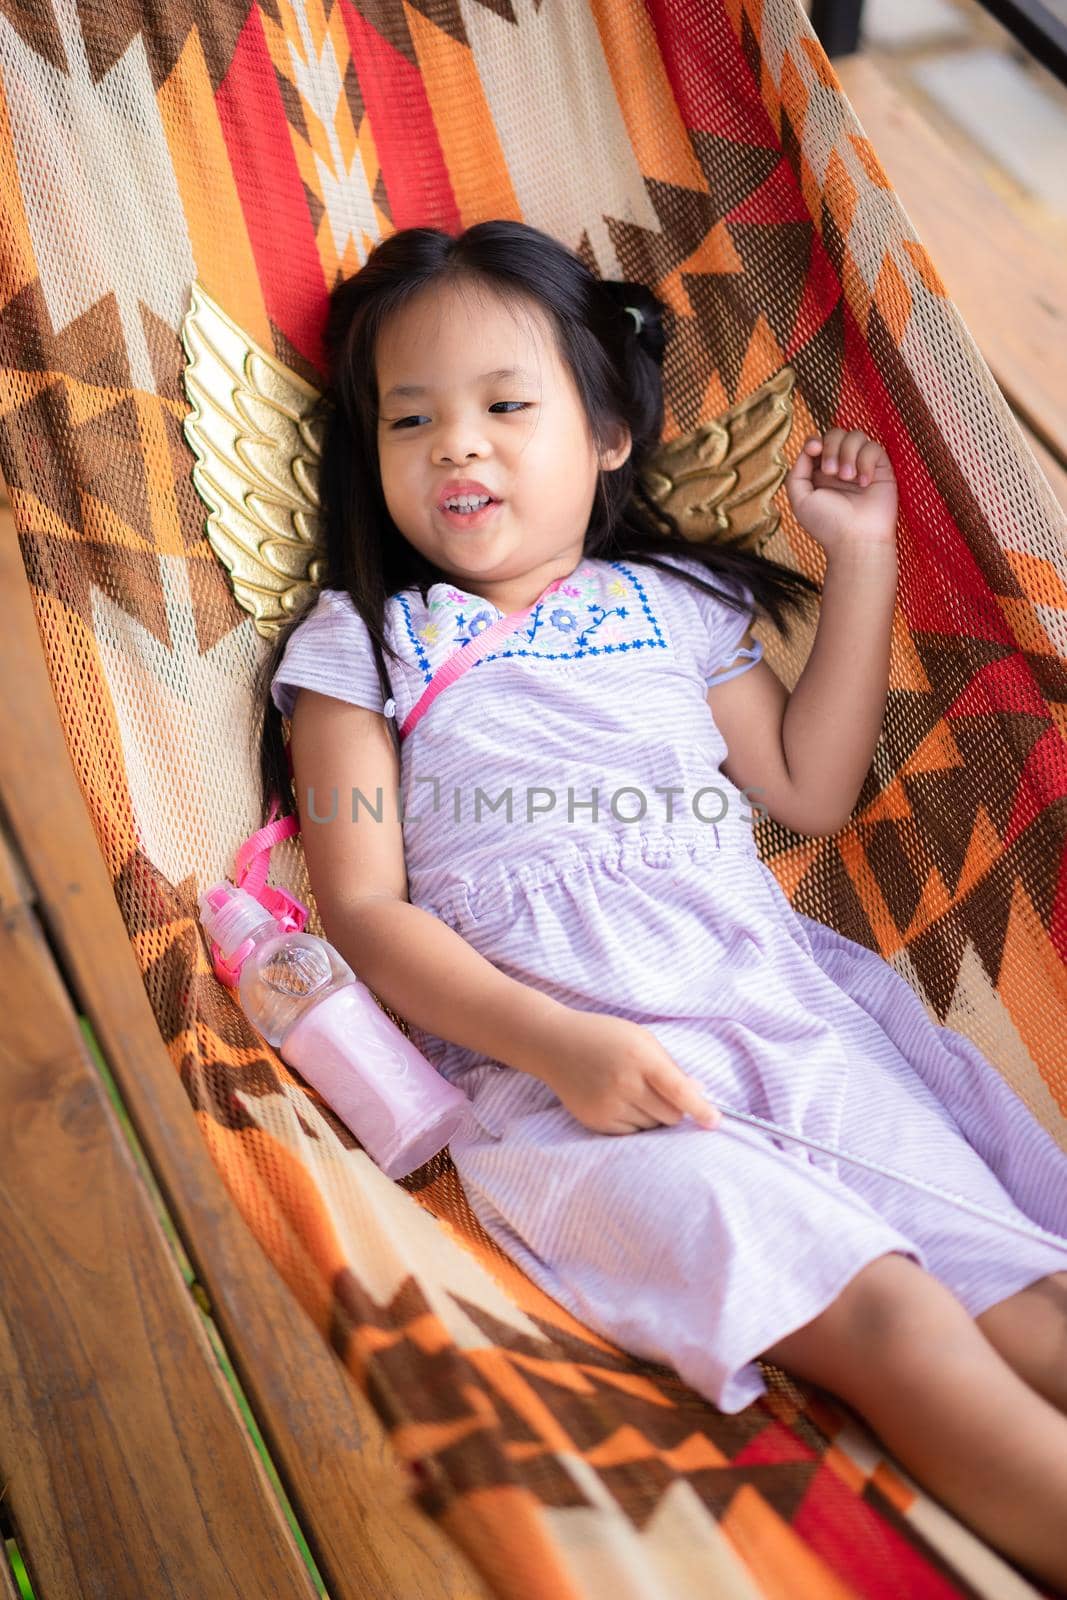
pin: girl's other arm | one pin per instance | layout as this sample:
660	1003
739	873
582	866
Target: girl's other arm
806	755
421	968
837	708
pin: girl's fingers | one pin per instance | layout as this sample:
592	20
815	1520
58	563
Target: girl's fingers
656	1105
799	482
851	445
868	459
850	457
634	1119
685	1093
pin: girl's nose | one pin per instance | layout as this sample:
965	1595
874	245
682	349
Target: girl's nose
453	456
458	444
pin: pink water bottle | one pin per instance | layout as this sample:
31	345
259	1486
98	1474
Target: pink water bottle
306	1001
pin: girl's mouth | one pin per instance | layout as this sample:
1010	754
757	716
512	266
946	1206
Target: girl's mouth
470	519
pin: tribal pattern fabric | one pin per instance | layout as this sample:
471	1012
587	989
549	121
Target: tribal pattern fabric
707	150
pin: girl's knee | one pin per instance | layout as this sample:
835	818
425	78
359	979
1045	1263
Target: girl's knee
890	1306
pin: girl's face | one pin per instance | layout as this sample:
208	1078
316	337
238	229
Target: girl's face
491	402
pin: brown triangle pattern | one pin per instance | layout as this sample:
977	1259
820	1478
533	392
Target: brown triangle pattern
726	320
167	355
960	791
69	569
886	847
501	8
90	349
446	15
780	1483
388	18
216	611
935	955
791	145
585	250
36	26
698	352
686	218
1050	675
316	208
110	465
733	170
381	197
43	414
598	1412
287	352
818	364
751	47
832	239
827	882
911	716
435	1383
777	257
353	94
109	31
437	1390
293	105
951	661
192	524
562	1344
181	995
212	1091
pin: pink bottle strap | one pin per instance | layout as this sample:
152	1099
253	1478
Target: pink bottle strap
251	866
461	661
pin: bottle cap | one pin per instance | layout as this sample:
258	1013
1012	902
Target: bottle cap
230	915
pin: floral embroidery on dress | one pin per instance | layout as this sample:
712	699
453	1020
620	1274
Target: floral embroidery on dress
602	608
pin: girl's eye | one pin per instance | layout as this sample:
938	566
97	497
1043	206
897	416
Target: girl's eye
519	405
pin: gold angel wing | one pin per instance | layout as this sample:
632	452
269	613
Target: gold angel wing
258	450
718	480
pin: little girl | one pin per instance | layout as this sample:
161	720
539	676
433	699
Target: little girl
543	860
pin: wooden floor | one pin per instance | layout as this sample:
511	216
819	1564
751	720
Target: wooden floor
126	1466
1005	275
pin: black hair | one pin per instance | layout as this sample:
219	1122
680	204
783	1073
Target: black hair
616	366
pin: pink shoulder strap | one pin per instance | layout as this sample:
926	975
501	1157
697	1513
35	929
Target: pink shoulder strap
253	858
461	660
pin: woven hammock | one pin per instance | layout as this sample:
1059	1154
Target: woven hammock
708	151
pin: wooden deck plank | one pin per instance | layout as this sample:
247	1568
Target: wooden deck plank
1006	279
347	1488
129	1471
9	1589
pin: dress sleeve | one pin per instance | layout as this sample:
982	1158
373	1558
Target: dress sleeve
716	629
331	651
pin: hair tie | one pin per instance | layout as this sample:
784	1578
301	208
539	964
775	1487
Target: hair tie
638	316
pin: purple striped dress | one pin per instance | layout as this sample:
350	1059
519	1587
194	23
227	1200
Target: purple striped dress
564	811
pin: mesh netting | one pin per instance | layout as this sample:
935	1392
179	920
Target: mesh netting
707	150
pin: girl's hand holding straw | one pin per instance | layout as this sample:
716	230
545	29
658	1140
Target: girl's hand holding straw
614	1076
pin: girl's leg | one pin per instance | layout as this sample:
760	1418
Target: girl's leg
902	1350
1030	1331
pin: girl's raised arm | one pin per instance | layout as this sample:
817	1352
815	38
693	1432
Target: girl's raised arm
806	755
